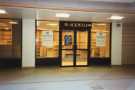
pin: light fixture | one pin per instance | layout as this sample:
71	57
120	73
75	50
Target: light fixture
52	24
63	15
6	28
115	17
13	22
101	24
2	11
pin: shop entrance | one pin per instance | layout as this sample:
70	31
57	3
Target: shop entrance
74	44
71	43
74	48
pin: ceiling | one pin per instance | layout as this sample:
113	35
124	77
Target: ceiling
118	1
115	1
80	10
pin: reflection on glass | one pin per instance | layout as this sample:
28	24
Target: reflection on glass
67	58
100	38
81	57
10	38
82	39
67	39
5	33
47	37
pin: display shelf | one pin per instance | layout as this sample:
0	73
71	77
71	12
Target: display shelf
5	37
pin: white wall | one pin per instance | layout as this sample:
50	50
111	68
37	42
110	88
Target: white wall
28	44
116	57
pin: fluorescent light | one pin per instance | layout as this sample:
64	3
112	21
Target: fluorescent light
7	28
2	11
63	15
13	22
116	17
52	24
101	24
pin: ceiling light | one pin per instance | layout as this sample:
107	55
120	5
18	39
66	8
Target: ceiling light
116	17
13	22
52	24
63	15
101	24
6	28
2	11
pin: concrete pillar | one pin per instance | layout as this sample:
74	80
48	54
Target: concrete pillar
28	43
116	57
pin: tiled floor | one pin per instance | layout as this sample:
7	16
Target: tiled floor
68	78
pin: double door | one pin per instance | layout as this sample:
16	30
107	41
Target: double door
74	48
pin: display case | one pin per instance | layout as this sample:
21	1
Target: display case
47	39
100	40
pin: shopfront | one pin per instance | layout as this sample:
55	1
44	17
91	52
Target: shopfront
10	43
71	43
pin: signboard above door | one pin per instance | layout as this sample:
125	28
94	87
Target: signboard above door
73	25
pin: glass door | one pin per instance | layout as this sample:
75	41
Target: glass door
82	48
67	48
74	48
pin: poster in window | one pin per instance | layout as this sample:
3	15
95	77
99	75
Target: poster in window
100	39
67	40
47	39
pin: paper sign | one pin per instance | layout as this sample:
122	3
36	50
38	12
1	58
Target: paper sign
100	39
47	39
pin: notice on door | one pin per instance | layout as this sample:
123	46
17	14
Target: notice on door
47	39
100	39
68	40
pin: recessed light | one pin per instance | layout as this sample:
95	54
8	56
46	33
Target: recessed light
115	17
2	11
63	15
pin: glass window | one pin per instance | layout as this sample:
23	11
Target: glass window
100	40
10	38
81	57
47	39
82	39
67	58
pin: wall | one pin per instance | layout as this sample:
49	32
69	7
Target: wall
28	47
128	43
116	49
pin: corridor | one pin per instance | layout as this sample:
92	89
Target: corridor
68	78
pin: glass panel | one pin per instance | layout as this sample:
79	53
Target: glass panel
67	58
81	57
100	40
82	40
5	37
10	38
47	37
67	39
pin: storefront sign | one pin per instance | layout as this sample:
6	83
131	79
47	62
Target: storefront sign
100	39
47	39
66	24
73	25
